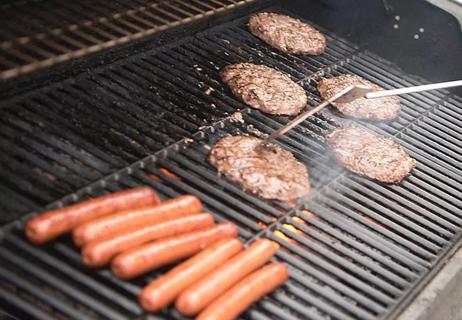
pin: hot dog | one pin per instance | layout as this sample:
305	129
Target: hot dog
54	223
150	256
98	253
161	292
105	226
250	289
203	292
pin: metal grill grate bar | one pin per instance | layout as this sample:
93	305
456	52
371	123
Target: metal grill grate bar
375	227
136	22
56	282
343	250
75	274
23	304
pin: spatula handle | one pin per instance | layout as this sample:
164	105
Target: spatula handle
426	87
303	116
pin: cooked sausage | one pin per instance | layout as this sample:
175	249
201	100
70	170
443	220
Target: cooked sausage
203	292
162	291
54	223
109	225
153	255
98	253
247	291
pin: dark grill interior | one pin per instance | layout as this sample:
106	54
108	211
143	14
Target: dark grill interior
356	249
44	33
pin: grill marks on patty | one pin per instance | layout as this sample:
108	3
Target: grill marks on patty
370	154
287	34
264	88
269	172
385	108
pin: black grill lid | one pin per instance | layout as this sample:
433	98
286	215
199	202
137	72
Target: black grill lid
356	249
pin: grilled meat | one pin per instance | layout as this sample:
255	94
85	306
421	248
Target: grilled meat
264	88
287	34
370	154
385	108
269	172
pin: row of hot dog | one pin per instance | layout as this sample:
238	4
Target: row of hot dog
136	233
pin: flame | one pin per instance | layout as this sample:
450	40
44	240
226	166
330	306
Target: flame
292	228
261	224
370	219
281	235
169	174
164	171
309	214
155	178
299	220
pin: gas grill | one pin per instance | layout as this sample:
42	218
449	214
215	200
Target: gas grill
149	114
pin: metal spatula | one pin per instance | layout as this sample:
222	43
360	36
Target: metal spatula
360	91
352	93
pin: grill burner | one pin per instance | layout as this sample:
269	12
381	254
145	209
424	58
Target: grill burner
356	249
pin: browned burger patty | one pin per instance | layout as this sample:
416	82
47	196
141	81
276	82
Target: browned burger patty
269	172
264	88
369	154
386	108
287	34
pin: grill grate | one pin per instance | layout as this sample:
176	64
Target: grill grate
37	39
68	134
356	249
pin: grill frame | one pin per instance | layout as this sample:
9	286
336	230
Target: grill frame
431	102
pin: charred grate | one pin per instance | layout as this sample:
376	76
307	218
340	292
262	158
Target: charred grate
66	135
356	248
40	34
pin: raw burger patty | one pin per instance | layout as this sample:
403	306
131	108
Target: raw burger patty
264	88
369	154
269	172
386	108
287	34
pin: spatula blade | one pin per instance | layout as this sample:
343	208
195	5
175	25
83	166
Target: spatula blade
355	93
